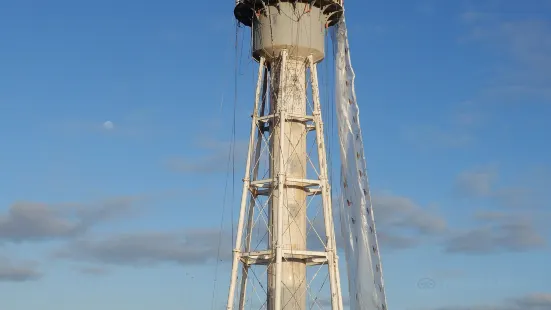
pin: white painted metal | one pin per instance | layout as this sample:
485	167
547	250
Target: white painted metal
262	76
280	182
336	301
287	187
246	185
296	46
303	34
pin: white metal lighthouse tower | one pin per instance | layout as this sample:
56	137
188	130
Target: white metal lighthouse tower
288	39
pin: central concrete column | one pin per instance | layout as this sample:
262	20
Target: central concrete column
294	205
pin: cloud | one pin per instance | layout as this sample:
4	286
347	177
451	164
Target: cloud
29	221
95	271
539	301
402	213
326	301
535	301
436	136
426	8
396	242
525	71
191	247
499	232
484	183
449	273
22	272
401	223
477	183
214	160
200	246
454	131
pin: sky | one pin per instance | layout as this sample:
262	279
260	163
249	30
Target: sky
116	121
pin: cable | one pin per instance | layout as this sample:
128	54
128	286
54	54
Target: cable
236	64
222	220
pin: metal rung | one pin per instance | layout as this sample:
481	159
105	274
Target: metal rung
265	119
310	258
302	182
313	191
263	192
299	118
309	191
262	183
290	117
263	187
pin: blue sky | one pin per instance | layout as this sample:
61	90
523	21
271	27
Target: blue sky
455	99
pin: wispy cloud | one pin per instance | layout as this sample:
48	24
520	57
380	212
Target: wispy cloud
18	272
326	302
453	131
523	73
430	136
402	213
426	8
214	158
478	182
497	232
94	271
506	227
401	223
29	221
537	301
146	249
483	182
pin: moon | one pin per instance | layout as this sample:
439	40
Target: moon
108	125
